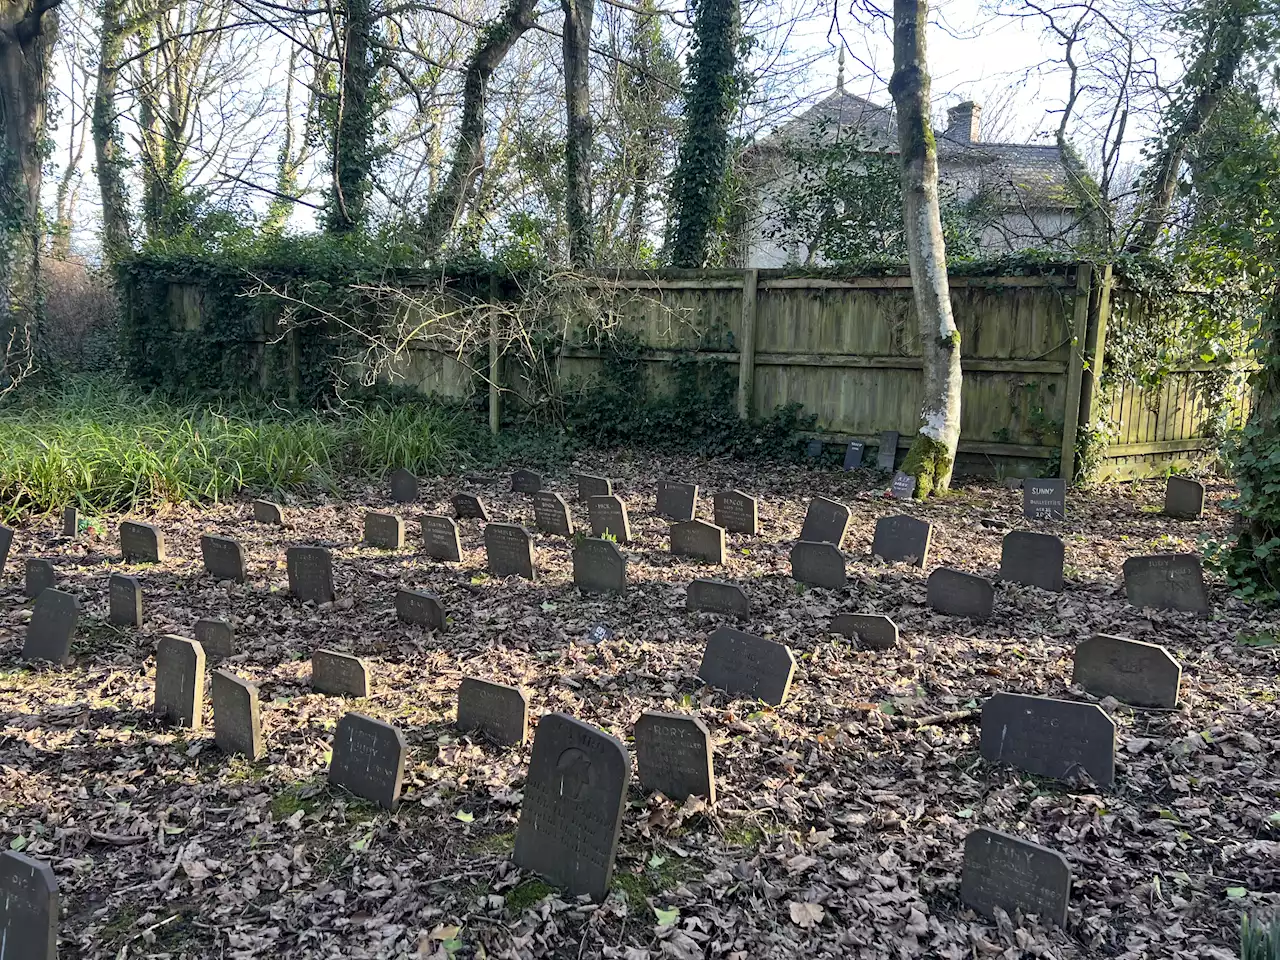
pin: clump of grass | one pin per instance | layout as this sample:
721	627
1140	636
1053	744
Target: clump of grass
1259	939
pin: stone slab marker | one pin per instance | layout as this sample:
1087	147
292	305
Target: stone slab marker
818	564
959	594
1014	875
1054	738
223	557
6	541
853	454
673	756
873	631
1172	581
180	682
574	796
124	601
310	573
608	515
677	501
699	540
384	531
404	486
29	908
467	506
747	665
237	718
1137	673
339	674
40	576
440	539
737	512
1183	498
70	522
1035	559
264	511
526	481
496	711
903	486
509	550
217	638
902	539
1044	499
141	543
551	514
53	623
424	609
368	759
599	566
716	596
825	521
592	486
887	454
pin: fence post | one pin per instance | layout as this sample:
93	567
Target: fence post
1095	347
1075	370
494	358
747	348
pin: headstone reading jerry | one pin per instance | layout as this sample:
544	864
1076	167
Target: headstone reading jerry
551	514
1035	559
818	564
440	539
737	512
887	455
609	517
747	665
673	756
677	501
467	506
598	566
698	539
223	558
574	796
591	486
216	637
237	719
825	521
424	609
1166	582
716	596
310	573
264	511
384	531
509	550
873	631
526	481
53	624
498	712
404	486
1053	738
1137	673
1014	875
40	576
124	601
903	486
902	539
853	454
29	908
70	522
141	543
339	674
1044	499
368	759
6	541
180	681
959	594
1183	498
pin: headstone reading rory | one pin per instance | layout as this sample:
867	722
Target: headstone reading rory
404	486
959	594
1035	559
424	609
1044	499
237	718
677	501
746	665
887	455
29	908
180	681
903	486
873	631
609	518
384	531
551	514
124	601
853	454
1183	498
1136	673
1053	738
339	674
591	486
716	596
574	795
737	512
40	576
1014	875
368	759
902	539
53	624
223	558
673	756
216	637
70	522
6	541
509	550
598	566
818	564
467	506
1172	581
498	712
699	540
264	511
141	543
440	539
825	521
526	481
310	573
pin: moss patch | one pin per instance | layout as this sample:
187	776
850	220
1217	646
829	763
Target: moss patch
494	843
525	895
930	463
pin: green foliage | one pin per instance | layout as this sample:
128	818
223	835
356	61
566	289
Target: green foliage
1259	940
930	462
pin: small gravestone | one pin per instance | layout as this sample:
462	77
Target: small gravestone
902	539
1035	559
698	539
339	674
747	665
1053	738
1137	673
216	637
310	573
1183	498
53	624
6	541
368	759
716	596
1166	582
384	531
873	631
825	521
551	514
887	455
424	609
237	718
677	501
70	522
903	486
959	594
609	518
404	486
673	756
467	506
853	454
180	681
29	908
40	576
264	511
223	558
574	795
1044	499
526	481
813	449
508	550
599	566
818	564
124	601
737	512
1015	876
141	543
591	486
498	712
440	538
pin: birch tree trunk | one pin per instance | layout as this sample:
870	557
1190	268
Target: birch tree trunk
577	149
933	452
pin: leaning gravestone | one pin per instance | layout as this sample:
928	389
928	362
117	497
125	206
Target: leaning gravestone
1014	875
124	601
1044	499
1035	559
223	558
716	596
29	908
404	486
70	522
6	541
818	564
903	486
467	506
440	538
310	573
53	624
887	455
508	549
902	538
526	481
853	454
1166	582
551	514
1137	673
180	681
599	566
873	631
264	511
673	756
677	501
591	486
699	540
959	594
216	637
141	543
609	517
368	759
384	531
1053	738
424	609
825	521
737	512
237	718
40	576
1183	498
747	665
339	674
498	712
574	795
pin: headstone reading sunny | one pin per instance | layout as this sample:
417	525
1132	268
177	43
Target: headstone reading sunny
591	486
574	795
887	455
264	511
384	531
825	521
818	564
677	501
1053	738
421	608
699	540
902	539
903	486
526	481
608	517
716	596
29	908
1035	559
748	666
339	674
873	631
1170	581
216	637
496	711
551	514
1183	498
237	718
368	759
509	550
598	566
70	522
40	575
959	594
440	539
141	543
737	512
1014	875
53	624
1136	673
310	573
673	756
853	454
124	601
467	506
1044	499
223	558
6	541
180	681
404	486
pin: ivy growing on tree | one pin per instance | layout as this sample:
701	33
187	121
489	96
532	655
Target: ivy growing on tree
350	113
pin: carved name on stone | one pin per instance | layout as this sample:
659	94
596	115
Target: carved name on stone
1014	875
1166	582
902	539
440	538
339	674
498	712
716	596
818	564
124	601
748	666
1137	673
310	573
180	682
677	501
609	517
237	718
599	566
1035	559
699	540
141	543
673	756
53	623
223	558
424	609
873	631
825	521
368	759
737	512
509	550
1054	738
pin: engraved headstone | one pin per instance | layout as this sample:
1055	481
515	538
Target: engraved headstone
180	681
384	531
873	631
698	539
1183	498
609	516
6	541
404	486
574	796
223	558
959	594
1166	582
467	506
141	543
368	759
1044	499
853	454
40	575
339	674
598	566
737	512
264	511
509	550
70	522
497	711
825	521
1053	738
1035	559
310	573
526	481
902	539
440	538
216	637
1137	673
673	756
237	718
29	908
424	609
53	624
124	601
716	596
887	455
813	448
903	486
818	564
1014	875
747	665
551	514
592	486
677	501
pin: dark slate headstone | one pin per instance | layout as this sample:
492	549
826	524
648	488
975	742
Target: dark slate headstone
70	522
180	681
29	908
368	759
747	665
599	566
677	501
498	712
1183	498
440	538
853	454
1137	673
599	633
825	521
1035	559
609	516
1170	581
526	481
737	512
339	674
141	543
716	596
873	631
1053	738
40	576
574	796
902	539
467	506
508	549
1014	875
813	449
818	564
404	486
384	530
1044	499
237	719
264	511
124	601
424	609
216	637
224	558
310	573
6	541
673	756
887	455
903	486
959	594
551	514
698	539
53	624
592	486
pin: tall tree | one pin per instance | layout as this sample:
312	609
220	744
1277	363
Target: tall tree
108	142
577	148
351	151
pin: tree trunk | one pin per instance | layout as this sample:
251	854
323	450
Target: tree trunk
577	149
351	153
108	144
933	452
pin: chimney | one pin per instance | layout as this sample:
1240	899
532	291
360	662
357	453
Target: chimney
963	122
